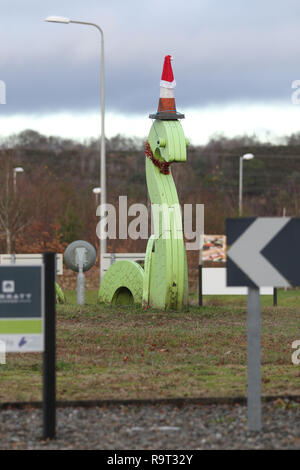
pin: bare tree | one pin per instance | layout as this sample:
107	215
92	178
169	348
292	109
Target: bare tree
14	214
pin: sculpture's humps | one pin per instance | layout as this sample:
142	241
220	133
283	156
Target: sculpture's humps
164	280
122	284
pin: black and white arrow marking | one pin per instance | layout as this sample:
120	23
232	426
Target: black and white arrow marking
246	251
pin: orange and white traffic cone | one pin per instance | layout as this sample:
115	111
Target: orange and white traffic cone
166	105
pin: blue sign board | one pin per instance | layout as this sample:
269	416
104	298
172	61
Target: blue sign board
22	307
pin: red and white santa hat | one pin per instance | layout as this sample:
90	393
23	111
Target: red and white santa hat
166	105
167	78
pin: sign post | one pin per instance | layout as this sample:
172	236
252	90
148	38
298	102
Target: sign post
254	359
49	378
22	308
256	258
27	322
80	256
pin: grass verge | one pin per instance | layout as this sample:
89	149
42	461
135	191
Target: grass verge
107	352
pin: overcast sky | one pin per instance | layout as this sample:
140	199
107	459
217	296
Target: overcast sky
237	57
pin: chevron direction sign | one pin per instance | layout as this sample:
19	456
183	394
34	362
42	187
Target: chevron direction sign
264	251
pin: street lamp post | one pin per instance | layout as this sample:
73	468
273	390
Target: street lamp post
59	19
97	191
18	169
247	156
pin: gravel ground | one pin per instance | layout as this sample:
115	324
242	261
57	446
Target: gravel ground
153	427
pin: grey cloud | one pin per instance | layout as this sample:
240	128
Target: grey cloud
224	51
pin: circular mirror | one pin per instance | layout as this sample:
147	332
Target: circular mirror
80	250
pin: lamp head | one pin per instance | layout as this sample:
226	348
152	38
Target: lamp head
248	156
57	19
97	190
19	169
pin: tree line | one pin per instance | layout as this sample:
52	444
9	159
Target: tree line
51	203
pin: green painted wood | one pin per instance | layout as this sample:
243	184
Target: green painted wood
120	276
147	271
168	285
59	294
163	283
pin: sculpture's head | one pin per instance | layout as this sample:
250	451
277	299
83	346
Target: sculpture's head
167	141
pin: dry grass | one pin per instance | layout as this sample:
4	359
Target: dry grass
105	352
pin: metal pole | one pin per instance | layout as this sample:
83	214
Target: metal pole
49	379
254	359
102	196
275	297
80	287
200	296
102	146
241	187
15	181
80	256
